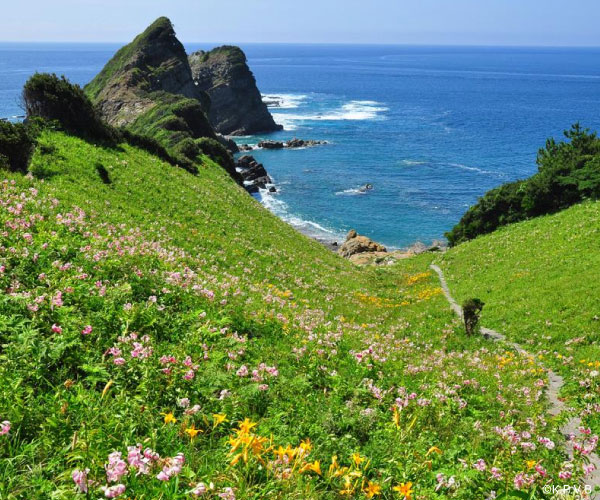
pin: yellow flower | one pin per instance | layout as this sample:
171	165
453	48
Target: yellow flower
530	464
314	467
372	489
246	426
218	419
404	489
192	431
434	449
357	459
396	418
169	418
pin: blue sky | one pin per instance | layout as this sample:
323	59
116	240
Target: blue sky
471	22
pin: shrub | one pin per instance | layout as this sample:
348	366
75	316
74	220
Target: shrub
568	172
16	146
471	311
219	154
52	98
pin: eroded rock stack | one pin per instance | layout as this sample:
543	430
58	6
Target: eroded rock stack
236	104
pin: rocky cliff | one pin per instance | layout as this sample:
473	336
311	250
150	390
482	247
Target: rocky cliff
236	104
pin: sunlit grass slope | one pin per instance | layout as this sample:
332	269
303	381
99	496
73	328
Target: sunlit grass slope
163	336
540	281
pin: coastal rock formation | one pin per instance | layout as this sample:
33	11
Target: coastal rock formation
301	143
292	143
146	75
147	88
236	104
254	175
270	145
357	244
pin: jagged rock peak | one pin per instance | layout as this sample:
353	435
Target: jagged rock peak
155	61
236	104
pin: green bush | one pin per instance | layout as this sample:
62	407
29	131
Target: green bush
568	172
16	146
52	98
219	154
471	311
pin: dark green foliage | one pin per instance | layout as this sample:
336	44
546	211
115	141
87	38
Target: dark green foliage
149	144
103	173
219	154
16	146
52	98
471	311
568	172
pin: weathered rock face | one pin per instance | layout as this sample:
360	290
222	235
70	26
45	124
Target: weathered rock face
134	81
356	244
236	104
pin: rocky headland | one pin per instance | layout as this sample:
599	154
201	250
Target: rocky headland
236	104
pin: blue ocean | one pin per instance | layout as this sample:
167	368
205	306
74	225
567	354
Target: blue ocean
431	128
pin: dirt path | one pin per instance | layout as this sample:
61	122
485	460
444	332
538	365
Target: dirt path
555	383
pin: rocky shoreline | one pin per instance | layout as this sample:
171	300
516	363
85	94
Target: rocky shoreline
361	250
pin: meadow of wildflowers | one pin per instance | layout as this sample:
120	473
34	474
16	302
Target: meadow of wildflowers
164	336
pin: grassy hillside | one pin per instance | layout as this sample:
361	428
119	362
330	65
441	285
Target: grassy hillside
144	305
540	283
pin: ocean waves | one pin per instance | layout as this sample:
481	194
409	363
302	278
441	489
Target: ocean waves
321	110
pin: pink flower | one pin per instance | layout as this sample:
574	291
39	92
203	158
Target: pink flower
189	375
480	465
56	328
80	479
116	468
113	491
496	473
87	330
119	361
199	490
564	474
57	299
242	372
4	427
171	468
227	494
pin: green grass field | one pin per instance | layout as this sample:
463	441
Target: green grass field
541	285
144	305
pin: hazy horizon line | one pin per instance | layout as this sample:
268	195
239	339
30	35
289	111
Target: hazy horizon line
343	43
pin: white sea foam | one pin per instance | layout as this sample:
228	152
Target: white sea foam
284	101
472	169
351	192
353	110
413	162
278	207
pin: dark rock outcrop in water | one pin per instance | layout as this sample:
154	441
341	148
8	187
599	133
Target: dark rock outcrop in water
254	174
236	104
291	144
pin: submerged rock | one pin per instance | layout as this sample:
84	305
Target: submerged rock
236	104
356	244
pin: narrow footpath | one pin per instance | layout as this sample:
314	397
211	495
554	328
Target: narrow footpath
555	383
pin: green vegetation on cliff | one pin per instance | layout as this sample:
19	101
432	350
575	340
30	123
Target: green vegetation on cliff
568	172
147	88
